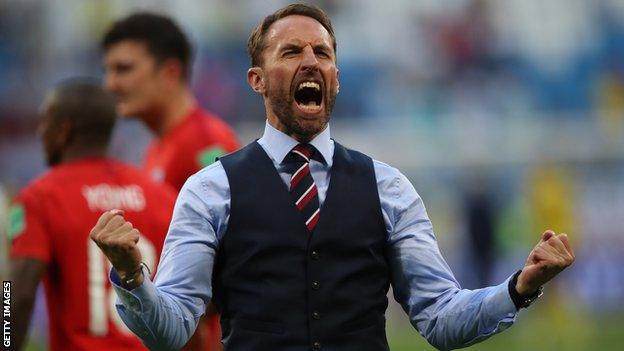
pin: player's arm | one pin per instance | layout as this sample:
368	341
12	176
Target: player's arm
25	276
448	316
30	254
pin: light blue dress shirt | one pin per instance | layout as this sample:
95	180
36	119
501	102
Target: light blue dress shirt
165	313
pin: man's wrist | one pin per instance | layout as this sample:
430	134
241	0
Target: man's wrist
522	290
133	279
525	299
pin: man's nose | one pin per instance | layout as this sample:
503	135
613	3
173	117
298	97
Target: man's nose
309	58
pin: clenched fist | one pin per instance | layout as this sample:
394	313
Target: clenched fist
118	239
547	259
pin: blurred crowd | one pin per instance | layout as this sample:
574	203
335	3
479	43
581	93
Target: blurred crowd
509	114
406	58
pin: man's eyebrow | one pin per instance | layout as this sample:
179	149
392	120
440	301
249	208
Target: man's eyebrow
323	47
290	46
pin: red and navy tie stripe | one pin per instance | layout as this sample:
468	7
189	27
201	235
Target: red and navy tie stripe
302	187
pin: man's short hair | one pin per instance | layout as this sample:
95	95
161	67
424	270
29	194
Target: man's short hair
90	110
162	36
256	42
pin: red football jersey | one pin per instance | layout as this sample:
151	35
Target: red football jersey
51	220
188	147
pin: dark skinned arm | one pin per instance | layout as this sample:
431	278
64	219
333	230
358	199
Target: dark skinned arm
25	276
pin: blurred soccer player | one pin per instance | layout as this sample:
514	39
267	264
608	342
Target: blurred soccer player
147	60
51	219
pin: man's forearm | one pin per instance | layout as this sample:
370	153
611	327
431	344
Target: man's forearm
448	316
26	274
465	317
162	317
164	313
20	319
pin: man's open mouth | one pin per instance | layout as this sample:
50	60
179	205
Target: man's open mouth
309	96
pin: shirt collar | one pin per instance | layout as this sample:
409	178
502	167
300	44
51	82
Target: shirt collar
278	145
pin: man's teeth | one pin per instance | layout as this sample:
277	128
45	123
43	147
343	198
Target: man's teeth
312	85
309	104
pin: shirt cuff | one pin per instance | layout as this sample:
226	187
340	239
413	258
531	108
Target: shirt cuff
138	298
501	303
501	312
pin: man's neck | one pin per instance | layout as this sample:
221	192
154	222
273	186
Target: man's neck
83	151
172	112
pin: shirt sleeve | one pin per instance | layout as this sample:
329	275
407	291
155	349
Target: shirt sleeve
165	313
27	229
444	313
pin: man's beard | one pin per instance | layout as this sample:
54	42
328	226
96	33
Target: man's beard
282	102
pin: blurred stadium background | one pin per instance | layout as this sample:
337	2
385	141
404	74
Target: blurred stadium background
507	116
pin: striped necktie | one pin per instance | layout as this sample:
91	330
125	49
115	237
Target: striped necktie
302	187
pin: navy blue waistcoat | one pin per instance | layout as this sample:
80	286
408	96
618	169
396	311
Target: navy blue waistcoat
281	288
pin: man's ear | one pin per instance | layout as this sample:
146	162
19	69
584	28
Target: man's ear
64	133
255	78
171	70
337	80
